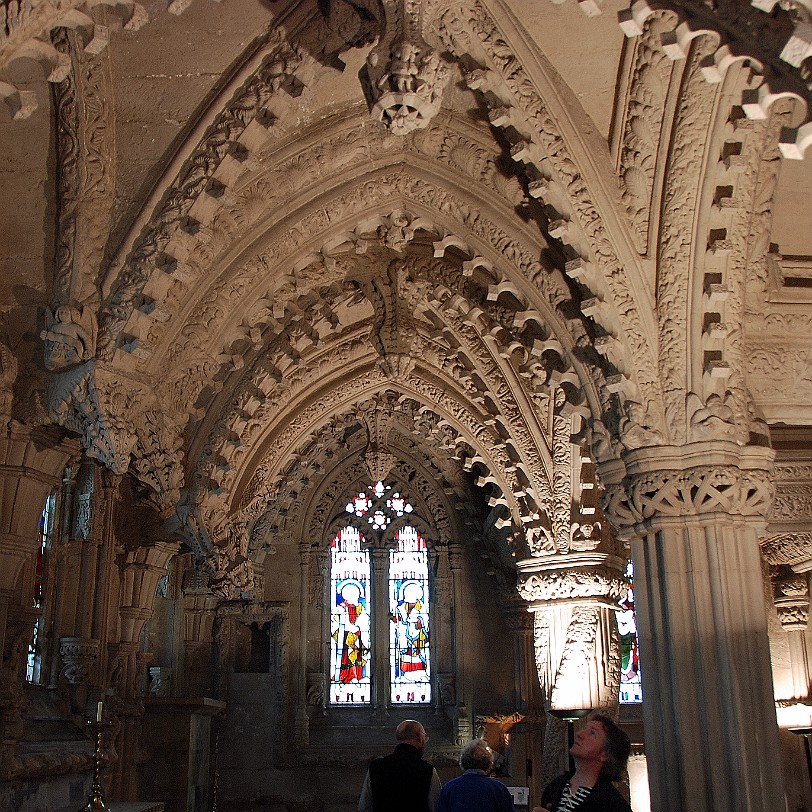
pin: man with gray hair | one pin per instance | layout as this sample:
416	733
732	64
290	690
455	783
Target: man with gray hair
402	781
475	790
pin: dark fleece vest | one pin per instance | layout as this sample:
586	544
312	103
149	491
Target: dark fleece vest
400	781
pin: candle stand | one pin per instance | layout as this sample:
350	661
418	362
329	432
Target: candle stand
95	802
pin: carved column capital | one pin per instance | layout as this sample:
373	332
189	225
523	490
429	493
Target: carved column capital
79	659
696	483
594	578
791	600
793	549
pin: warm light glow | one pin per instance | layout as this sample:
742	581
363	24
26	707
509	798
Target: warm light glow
638	784
797	715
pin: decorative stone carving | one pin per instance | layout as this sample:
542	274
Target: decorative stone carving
316	689
8	375
79	659
448	689
69	336
643	122
735	484
572	578
792	601
405	90
233	570
787	548
743	31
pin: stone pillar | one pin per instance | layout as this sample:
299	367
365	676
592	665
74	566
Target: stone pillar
693	515
380	644
301	722
463	724
442	632
573	598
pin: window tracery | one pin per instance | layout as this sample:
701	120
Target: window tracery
378	517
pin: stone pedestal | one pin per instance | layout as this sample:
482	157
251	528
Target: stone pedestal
180	731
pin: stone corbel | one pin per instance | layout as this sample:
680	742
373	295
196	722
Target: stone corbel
222	554
404	78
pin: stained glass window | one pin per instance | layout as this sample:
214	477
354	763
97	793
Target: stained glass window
631	689
410	667
350	620
33	662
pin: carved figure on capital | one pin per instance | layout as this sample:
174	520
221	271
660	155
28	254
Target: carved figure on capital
69	336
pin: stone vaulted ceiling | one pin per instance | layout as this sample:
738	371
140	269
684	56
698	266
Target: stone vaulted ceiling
257	252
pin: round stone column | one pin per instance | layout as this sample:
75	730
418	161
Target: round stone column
693	515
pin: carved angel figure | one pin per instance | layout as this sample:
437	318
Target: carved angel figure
69	336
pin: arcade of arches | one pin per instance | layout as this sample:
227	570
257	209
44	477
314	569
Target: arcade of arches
272	271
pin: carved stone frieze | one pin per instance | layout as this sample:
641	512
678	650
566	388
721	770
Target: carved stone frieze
778	41
676	239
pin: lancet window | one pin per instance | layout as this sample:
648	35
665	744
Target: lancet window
379	517
631	689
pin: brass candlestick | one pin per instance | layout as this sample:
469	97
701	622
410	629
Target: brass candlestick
95	803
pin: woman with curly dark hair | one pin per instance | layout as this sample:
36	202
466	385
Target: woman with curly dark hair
600	753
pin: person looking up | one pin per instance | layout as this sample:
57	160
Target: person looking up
600	753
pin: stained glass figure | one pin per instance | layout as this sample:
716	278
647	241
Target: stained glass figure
350	620
631	688
33	661
410	664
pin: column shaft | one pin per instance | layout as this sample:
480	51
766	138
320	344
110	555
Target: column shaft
711	735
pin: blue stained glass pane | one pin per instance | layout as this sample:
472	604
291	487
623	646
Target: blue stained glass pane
409	640
350	621
631	688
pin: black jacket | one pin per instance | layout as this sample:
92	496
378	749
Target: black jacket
401	781
603	798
